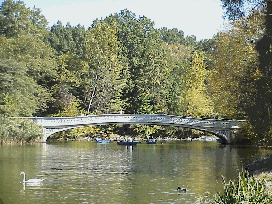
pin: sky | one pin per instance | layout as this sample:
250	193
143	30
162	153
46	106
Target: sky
201	18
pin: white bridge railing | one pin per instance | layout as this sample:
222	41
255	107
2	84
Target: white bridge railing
56	124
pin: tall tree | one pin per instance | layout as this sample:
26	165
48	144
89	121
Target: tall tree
68	39
234	62
235	9
181	63
37	56
172	36
22	35
146	57
20	94
197	100
89	67
260	109
103	78
16	19
69	44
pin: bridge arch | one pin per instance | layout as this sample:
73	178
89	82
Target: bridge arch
219	128
223	138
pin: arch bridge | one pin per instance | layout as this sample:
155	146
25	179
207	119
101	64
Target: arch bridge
223	129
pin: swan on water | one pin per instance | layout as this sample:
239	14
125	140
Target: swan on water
30	180
181	189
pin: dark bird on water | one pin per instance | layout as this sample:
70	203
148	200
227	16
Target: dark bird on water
181	189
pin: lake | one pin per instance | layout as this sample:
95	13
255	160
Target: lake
86	172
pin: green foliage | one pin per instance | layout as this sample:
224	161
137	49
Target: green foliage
89	66
172	36
103	80
123	63
70	109
16	20
180	63
34	53
18	130
235	9
146	130
90	131
198	102
68	39
20	95
235	61
146	58
259	110
247	189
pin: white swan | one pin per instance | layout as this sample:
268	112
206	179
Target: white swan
30	180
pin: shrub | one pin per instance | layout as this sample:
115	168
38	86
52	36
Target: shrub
246	189
18	130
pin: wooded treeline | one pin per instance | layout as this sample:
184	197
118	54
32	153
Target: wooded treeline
123	63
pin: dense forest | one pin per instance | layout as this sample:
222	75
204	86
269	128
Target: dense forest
123	63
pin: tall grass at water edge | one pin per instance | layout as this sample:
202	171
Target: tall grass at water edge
245	189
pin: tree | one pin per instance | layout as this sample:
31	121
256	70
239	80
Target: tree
69	44
20	95
102	79
181	63
172	36
34	52
197	100
89	67
144	53
235	9
234	60
16	19
175	36
36	57
261	102
68	39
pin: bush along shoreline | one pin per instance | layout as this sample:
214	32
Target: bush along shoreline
245	189
18	131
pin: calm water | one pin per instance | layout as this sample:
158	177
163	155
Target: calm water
86	172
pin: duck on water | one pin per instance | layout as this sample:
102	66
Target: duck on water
179	189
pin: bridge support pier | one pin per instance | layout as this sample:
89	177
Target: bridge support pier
229	139
43	138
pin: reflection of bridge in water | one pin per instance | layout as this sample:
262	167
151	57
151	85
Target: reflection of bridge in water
223	129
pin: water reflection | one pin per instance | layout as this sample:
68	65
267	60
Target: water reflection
31	186
77	172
